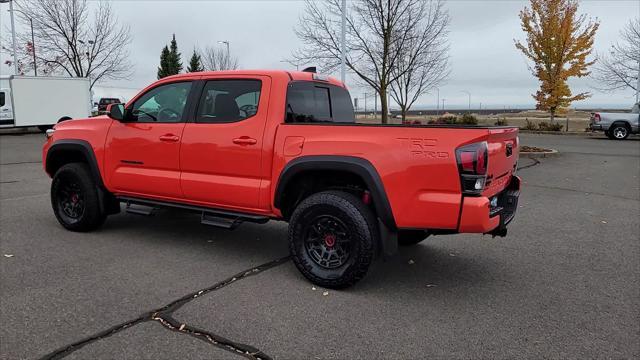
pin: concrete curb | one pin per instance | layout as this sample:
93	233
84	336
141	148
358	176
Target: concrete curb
20	131
583	134
535	155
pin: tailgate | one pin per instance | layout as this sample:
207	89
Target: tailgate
503	158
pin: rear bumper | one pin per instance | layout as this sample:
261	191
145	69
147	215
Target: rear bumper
594	127
478	216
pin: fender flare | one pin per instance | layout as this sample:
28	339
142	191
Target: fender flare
626	123
356	165
81	146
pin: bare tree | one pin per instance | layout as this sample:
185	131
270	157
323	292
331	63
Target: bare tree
423	65
215	59
379	32
621	67
74	40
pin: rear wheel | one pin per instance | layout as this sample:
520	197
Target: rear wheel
74	198
332	238
619	131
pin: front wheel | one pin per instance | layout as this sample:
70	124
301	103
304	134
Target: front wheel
332	239
74	198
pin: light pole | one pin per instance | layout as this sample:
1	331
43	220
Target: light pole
443	99
468	94
438	101
226	42
33	40
13	36
365	104
343	55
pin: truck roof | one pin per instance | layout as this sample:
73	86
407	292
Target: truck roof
293	75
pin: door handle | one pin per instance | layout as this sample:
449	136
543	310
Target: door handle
245	140
169	138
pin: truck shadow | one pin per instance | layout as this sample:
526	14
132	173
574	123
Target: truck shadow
427	267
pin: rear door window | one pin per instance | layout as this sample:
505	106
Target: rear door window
318	102
224	101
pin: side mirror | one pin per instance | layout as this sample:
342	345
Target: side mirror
115	111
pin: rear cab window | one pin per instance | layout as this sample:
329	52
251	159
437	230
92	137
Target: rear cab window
317	102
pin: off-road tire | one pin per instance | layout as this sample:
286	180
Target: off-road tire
411	237
77	176
361	228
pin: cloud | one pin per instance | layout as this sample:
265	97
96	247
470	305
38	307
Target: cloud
484	59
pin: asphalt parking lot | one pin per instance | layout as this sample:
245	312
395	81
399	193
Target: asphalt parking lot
565	282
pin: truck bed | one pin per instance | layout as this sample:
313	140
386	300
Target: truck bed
417	163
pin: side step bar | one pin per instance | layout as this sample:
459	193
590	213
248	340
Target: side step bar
214	217
219	221
139	209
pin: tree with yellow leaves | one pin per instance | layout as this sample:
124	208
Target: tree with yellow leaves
559	40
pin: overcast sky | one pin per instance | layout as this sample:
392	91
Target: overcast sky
484	60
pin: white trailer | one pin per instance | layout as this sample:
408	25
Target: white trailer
42	101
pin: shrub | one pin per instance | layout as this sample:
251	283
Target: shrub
444	120
502	122
545	126
468	119
530	125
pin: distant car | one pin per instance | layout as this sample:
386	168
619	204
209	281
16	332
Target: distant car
104	102
617	126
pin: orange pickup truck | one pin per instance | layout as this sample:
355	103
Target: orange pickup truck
254	146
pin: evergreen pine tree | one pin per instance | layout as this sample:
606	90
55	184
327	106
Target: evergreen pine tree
163	70
170	63
176	62
195	65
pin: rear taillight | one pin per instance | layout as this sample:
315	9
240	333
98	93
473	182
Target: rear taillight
472	165
596	117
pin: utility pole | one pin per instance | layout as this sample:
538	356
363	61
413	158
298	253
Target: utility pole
343	70
438	102
443	99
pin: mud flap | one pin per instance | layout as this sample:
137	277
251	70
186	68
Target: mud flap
388	240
